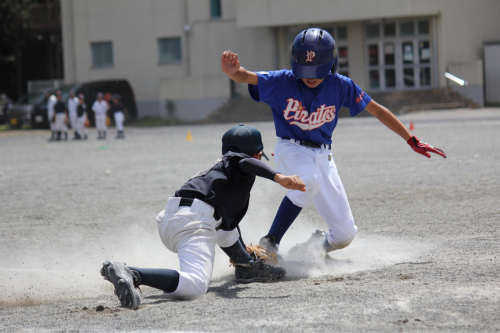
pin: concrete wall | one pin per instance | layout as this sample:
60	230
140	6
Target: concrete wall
256	30
134	28
472	72
462	25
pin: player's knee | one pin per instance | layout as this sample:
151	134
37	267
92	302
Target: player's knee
343	235
196	288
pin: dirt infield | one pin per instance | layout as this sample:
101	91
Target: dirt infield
426	257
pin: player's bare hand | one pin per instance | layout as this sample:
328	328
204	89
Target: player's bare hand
424	148
229	62
290	182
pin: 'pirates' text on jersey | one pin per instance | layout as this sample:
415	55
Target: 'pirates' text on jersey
303	113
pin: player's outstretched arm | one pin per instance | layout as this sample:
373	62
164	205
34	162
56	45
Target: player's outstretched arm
388	119
290	182
230	65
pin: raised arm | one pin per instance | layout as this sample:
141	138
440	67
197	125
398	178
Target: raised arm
388	119
230	65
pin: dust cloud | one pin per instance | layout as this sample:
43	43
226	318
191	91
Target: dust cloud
46	277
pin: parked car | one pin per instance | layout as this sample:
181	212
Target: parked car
31	109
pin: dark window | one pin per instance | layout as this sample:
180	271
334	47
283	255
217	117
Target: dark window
343	57
215	8
372	30
373	55
342	33
390	78
102	54
425	77
374	79
407	28
169	50
423	27
408	77
390	29
330	31
389	54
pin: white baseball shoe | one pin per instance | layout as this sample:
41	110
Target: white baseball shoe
125	281
316	245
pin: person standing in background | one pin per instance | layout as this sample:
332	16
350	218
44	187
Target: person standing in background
51	101
72	104
81	118
60	118
118	110
100	108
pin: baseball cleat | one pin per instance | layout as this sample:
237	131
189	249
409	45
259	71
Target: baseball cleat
316	244
125	281
257	272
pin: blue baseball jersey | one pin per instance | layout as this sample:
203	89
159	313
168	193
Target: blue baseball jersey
303	113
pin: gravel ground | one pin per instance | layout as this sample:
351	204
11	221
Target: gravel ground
426	257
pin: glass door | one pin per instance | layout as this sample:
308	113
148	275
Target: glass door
399	55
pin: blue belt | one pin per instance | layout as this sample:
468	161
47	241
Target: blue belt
309	144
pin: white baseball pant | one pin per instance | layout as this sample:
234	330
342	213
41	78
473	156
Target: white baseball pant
191	233
323	187
100	121
50	116
60	124
80	125
119	118
73	119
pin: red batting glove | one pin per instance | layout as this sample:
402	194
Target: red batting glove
423	148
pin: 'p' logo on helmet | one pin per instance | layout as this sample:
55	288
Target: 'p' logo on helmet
310	55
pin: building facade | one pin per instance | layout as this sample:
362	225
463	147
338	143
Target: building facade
169	50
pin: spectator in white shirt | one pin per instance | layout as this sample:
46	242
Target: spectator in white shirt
72	105
100	108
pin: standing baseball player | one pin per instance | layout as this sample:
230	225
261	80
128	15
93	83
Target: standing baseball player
206	211
81	118
72	105
118	110
305	102
100	108
51	101
60	118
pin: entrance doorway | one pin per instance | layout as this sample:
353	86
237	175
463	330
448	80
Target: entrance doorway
399	54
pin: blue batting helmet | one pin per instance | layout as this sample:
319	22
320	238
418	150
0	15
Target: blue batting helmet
313	54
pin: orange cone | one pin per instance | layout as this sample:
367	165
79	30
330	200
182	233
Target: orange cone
189	137
412	127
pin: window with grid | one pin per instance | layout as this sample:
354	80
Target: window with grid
102	54
340	35
399	54
169	50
